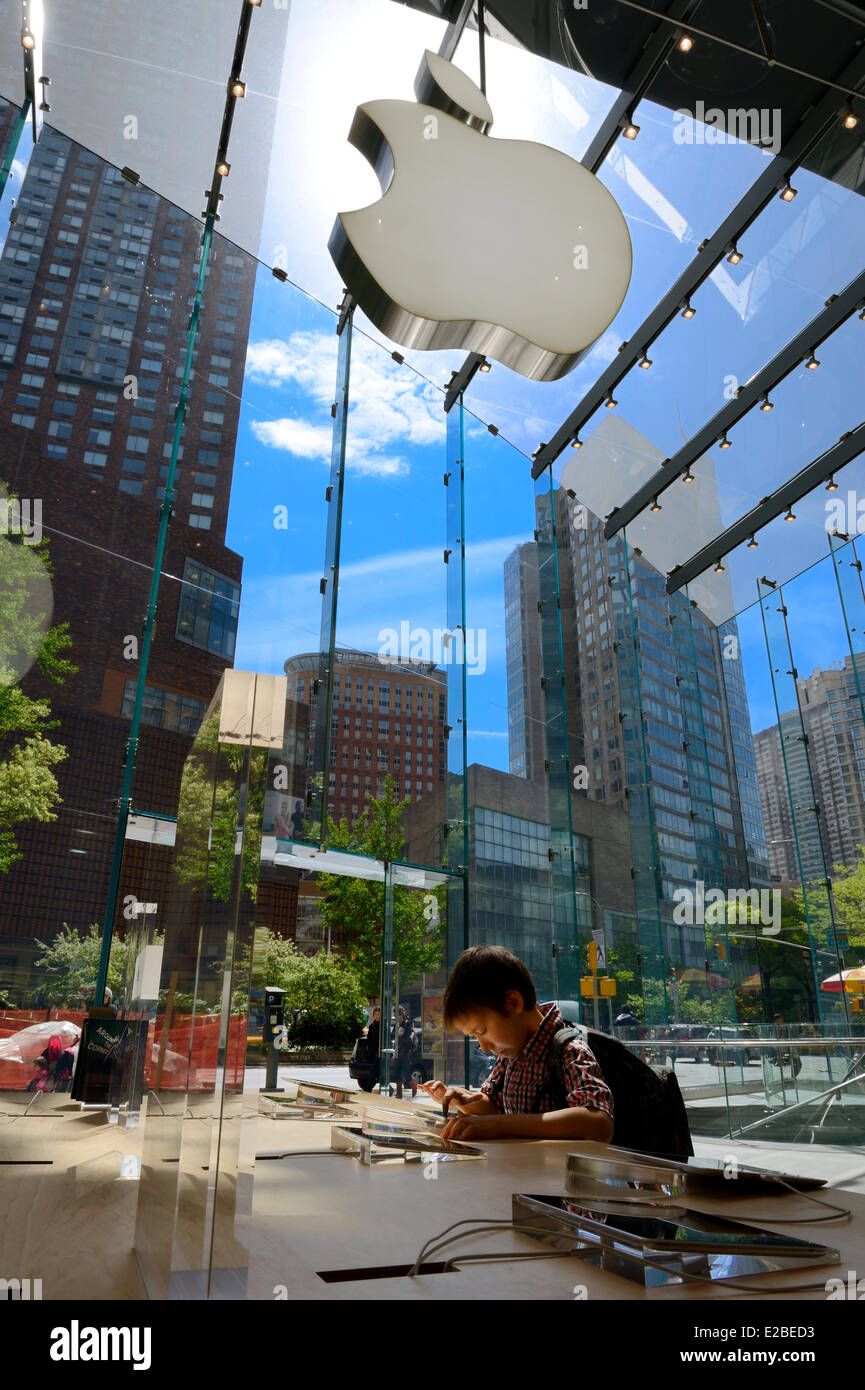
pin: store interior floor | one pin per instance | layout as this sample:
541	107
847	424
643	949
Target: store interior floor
69	1190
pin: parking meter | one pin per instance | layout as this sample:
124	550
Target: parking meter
272	1032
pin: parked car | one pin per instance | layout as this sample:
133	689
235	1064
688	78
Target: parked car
721	1056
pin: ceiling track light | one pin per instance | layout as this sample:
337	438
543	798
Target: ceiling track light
719	568
688	311
724	442
686	43
735	255
28	40
610	403
629	129
687	477
752	543
484	366
812	364
765	403
790	515
832	486
223	168
237	88
862	315
788	192
576	442
849	118
645	362
656	506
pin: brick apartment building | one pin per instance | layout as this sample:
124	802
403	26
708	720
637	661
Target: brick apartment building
387	717
96	283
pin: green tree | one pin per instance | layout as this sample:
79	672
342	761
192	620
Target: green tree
355	907
69	966
28	786
210	815
323	1001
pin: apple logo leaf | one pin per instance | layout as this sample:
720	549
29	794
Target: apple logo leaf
507	248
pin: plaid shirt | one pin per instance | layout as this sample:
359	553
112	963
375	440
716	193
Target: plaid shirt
518	1085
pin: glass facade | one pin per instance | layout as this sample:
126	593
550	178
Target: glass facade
321	661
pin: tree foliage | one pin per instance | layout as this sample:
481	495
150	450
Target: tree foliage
69	964
210	814
354	908
28	786
323	1000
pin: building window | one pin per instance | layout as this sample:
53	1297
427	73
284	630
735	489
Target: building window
165	709
208	610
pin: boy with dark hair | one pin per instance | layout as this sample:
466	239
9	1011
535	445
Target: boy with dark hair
491	996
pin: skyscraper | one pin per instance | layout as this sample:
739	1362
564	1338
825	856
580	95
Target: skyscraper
96	283
832	762
96	279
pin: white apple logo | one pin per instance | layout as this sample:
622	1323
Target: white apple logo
503	247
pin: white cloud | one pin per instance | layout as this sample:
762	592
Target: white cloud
296	437
388	405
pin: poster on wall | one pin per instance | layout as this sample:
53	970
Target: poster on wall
433	1026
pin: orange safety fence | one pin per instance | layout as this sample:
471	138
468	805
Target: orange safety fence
188	1050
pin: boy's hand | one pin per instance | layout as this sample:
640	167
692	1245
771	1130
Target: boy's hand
447	1095
473	1127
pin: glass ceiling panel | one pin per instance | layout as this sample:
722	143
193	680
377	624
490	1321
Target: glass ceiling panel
795	255
127	78
783	547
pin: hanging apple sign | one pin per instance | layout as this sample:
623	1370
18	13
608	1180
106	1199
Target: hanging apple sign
503	247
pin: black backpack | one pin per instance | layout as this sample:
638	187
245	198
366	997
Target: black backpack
648	1110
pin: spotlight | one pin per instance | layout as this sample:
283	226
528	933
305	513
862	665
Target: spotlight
576	442
752	543
686	43
788	192
832	486
223	168
862	315
484	366
719	568
610	403
812	364
238	88
629	130
688	311
790	515
688	477
851	120
724	442
766	404
28	40
735	255
656	506
645	362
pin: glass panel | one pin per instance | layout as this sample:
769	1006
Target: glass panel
189	1234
